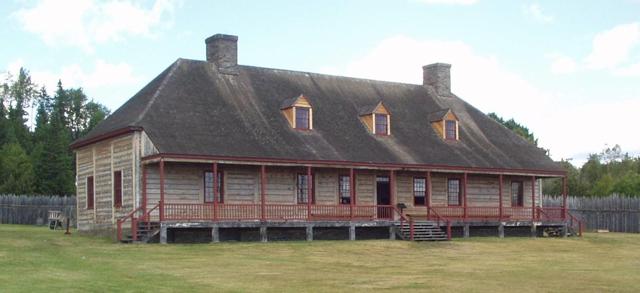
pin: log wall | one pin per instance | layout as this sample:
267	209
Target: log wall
100	161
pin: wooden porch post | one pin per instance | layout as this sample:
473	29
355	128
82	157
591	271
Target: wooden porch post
309	191
500	196
144	192
427	201
161	189
564	197
533	198
464	195
215	191
392	188
352	192
263	191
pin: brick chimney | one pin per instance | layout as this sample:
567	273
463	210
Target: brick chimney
222	50
438	76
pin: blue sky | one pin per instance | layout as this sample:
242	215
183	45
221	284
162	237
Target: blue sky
570	70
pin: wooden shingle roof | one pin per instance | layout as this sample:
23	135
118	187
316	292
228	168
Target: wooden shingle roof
191	108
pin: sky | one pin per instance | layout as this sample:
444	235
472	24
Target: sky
568	70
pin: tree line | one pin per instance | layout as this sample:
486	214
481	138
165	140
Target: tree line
610	171
35	157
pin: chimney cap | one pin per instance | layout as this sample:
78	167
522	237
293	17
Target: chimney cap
437	65
221	37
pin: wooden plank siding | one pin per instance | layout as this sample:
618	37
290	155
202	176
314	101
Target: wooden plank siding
100	160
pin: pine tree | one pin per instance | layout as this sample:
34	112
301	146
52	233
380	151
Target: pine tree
16	170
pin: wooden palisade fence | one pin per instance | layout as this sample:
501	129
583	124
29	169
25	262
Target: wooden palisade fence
614	213
33	209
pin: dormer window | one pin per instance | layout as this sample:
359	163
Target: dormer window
298	112
445	124
302	118
376	118
381	123
450	129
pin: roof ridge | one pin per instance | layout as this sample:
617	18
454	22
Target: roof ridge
317	74
157	92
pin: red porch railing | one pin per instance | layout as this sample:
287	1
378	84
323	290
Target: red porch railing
483	213
205	212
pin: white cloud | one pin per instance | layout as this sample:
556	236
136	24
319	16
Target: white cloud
561	64
560	124
449	2
109	83
612	48
85	23
535	11
629	71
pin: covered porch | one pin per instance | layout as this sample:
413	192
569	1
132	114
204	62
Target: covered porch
192	190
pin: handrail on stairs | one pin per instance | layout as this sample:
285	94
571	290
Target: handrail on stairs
134	225
439	218
404	218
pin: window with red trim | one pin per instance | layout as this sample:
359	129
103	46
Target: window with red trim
90	193
454	197
302	118
117	189
381	124
419	191
517	194
208	187
302	188
345	189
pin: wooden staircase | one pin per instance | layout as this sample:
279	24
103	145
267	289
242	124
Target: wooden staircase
422	231
144	232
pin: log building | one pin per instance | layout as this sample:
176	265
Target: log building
241	152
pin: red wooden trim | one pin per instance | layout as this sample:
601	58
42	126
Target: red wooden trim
500	196
108	135
215	190
464	193
340	176
144	189
533	198
427	200
310	184
90	193
263	191
259	160
392	188
161	190
520	196
117	189
459	191
413	189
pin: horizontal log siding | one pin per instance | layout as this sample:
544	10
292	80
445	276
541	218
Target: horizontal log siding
241	184
84	165
123	161
183	184
103	186
100	160
365	188
327	186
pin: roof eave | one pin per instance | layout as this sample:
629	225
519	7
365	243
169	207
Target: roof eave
111	134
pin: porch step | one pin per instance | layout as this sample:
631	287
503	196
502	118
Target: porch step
422	231
145	232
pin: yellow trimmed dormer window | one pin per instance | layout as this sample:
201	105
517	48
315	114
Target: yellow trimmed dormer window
446	124
298	112
377	119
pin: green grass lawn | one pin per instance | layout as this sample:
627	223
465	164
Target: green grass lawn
37	259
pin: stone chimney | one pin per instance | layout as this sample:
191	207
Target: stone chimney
438	76
222	50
